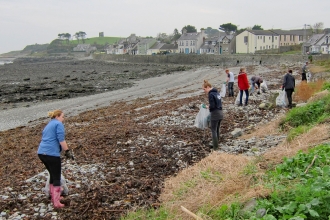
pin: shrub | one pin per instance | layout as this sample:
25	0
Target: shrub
305	90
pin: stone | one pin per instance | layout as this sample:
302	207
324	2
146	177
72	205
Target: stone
260	213
237	132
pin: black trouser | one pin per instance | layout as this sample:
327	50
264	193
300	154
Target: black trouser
215	130
53	165
289	95
231	88
303	77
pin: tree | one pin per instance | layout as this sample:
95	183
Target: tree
240	31
189	28
176	34
211	32
80	35
228	28
77	36
318	27
60	36
257	27
67	37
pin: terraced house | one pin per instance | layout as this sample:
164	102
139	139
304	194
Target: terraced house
190	42
249	41
292	37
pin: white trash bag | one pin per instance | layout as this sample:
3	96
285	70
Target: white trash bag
202	117
223	90
243	98
282	99
64	187
263	87
308	76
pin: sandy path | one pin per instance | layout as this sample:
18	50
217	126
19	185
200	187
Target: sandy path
186	81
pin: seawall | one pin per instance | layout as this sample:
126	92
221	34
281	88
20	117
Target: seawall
222	60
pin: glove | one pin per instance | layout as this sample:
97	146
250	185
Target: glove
68	154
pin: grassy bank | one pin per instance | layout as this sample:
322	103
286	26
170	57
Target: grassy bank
97	40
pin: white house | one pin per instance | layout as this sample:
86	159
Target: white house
250	41
325	45
190	42
313	45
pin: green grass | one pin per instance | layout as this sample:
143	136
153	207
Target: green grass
159	214
97	40
292	52
309	115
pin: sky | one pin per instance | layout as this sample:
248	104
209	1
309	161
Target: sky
26	22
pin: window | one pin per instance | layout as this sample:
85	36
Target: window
264	39
245	39
260	47
186	43
269	38
275	46
190	43
300	37
284	37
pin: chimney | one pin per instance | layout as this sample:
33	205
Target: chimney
184	31
203	32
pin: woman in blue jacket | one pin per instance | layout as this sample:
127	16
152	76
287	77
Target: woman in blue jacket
50	147
215	107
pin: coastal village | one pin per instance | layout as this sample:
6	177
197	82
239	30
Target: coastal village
247	42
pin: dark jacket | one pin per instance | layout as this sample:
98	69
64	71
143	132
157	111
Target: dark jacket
214	100
289	82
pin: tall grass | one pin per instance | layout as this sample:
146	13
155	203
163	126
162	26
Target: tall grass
305	90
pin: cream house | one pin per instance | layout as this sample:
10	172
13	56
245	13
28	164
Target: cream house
292	37
155	49
250	41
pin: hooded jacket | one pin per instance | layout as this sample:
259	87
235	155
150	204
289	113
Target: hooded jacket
214	100
242	81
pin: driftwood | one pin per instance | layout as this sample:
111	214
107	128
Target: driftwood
190	213
311	164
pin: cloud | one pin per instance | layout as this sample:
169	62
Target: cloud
40	21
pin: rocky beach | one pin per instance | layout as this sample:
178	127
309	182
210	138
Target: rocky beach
130	126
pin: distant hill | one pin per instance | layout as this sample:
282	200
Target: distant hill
60	46
98	40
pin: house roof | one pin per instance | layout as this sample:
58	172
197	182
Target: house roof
146	40
212	38
190	36
207	47
262	32
315	38
157	45
169	47
289	32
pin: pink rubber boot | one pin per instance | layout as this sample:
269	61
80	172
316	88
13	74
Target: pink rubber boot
56	196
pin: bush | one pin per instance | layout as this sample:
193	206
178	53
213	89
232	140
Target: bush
305	90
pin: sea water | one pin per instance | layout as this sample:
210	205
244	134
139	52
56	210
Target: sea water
2	62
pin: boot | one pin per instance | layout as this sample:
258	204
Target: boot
56	195
215	143
51	188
